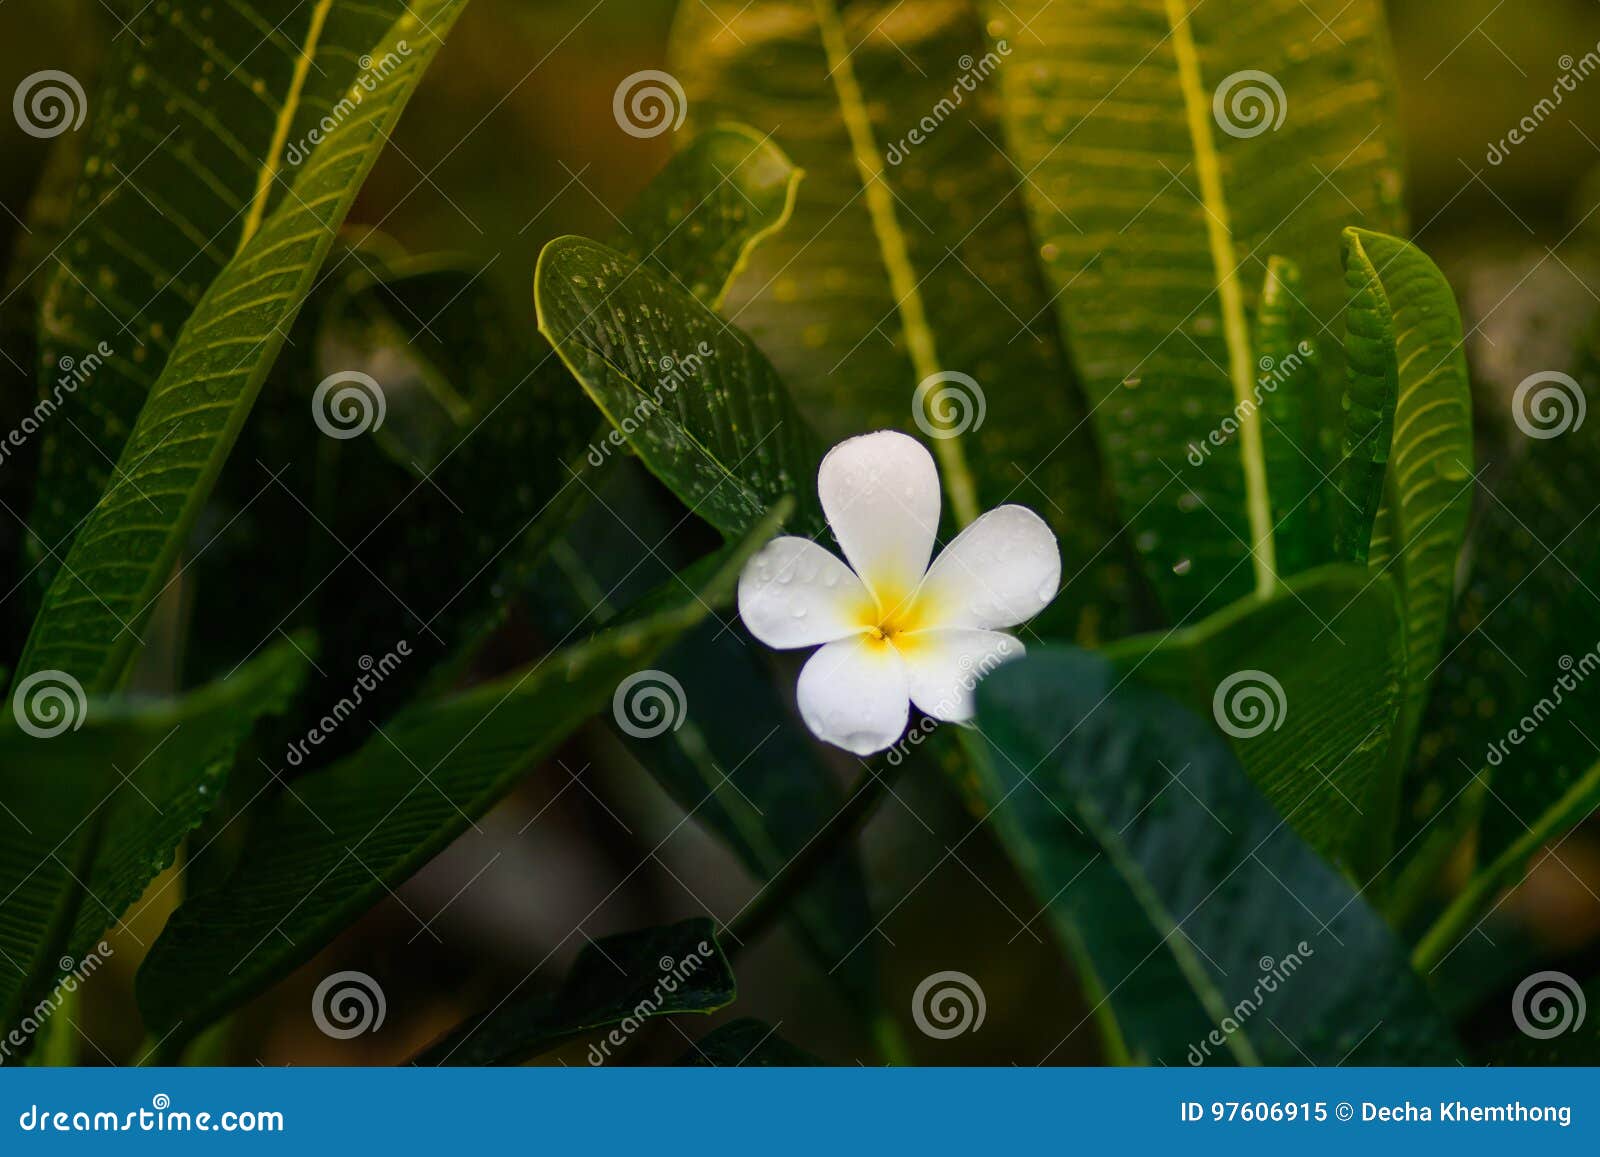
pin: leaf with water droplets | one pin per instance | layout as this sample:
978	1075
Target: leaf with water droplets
699	404
1217	936
136	771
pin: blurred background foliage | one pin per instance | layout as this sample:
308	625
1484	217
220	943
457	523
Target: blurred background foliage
533	80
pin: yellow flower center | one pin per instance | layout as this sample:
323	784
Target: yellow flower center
891	619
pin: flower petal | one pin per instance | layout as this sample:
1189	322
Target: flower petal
1000	571
793	593
881	495
853	694
944	667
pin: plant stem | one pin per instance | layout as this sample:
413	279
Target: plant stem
1447	929
773	899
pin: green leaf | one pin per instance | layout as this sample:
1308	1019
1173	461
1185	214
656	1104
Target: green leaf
1371	390
699	221
739	762
1180	887
616	981
699	404
125	551
167	796
190	142
1170	147
93	814
1428	485
1290	438
327	851
908	261
1575	805
1517	686
1313	736
746	1043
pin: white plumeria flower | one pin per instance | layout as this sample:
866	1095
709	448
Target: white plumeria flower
893	630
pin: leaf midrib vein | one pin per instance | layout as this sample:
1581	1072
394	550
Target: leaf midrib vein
896	257
280	132
1230	295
